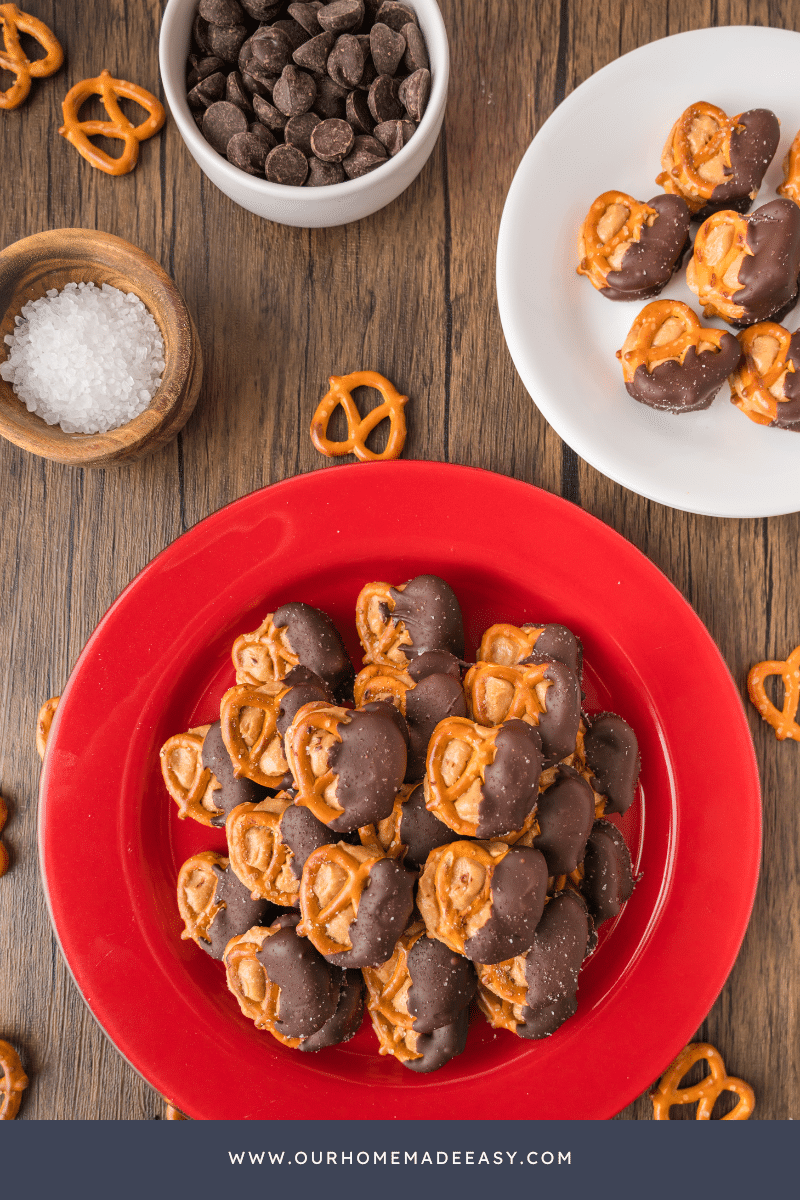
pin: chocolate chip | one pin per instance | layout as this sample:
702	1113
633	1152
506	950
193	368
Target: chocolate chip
271	48
387	48
366	155
251	68
227	40
268	114
396	15
202	69
287	165
416	55
221	12
293	30
261	10
394	134
332	140
341	16
294	92
414	93
369	75
257	87
383	100
321	174
346	61
207	91
299	131
313	54
248	152
306	15
198	118
330	101
200	34
236	94
357	112
264	135
221	121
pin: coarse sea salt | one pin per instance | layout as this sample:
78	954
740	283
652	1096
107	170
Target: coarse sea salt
88	359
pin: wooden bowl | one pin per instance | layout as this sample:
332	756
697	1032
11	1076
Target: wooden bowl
32	266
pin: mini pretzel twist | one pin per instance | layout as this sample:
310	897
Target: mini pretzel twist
784	722
15	60
508	644
43	722
664	330
260	858
758	384
359	428
313	724
379	682
316	915
109	89
713	271
13	1083
3	850
614	221
258	996
391	982
382	639
454	925
263	656
705	1093
790	188
197	884
190	784
441	797
687	171
248	723
497	693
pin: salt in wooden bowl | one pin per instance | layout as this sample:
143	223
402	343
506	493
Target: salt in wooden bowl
33	266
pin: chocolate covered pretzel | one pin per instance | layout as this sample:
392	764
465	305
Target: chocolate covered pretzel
294	635
611	753
607	872
214	904
198	775
509	645
630	250
397	624
421	1052
268	844
546	695
410	831
565	817
423	985
766	384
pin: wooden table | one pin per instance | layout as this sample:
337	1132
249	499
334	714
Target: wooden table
411	292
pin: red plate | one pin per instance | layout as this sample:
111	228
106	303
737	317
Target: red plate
111	843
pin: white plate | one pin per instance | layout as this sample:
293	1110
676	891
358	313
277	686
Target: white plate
563	335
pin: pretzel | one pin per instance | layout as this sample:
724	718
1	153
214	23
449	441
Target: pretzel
14	1080
500	1013
382	640
790	188
359	428
697	154
524	836
664	330
334	878
379	682
173	1113
43	722
3	851
248	723
458	754
190	784
264	655
498	693
508	645
506	980
394	1037
16	61
455	896
108	89
784	722
614	221
312	732
389	984
713	272
705	1093
385	836
758	383
197	883
259	856
258	996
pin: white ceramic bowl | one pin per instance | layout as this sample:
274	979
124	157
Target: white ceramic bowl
317	207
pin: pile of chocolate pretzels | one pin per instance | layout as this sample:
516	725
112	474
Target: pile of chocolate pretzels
429	830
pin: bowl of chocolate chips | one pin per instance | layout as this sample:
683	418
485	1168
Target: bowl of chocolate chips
308	113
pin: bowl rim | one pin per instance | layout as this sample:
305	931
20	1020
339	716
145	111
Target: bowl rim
93	447
317	196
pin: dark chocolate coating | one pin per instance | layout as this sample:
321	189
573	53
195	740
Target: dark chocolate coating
434	698
388	707
439	1047
370	761
434	662
608	875
346	1021
511	782
751	153
420	830
519	883
559	723
232	791
648	265
442	983
556	643
302	833
788	415
304	688
309	991
383	912
612	756
769	275
240	913
317	642
542	1021
428	608
688	386
559	948
565	815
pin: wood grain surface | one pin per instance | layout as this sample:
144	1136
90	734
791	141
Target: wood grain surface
409	292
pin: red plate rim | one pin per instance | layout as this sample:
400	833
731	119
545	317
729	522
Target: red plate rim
509	544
